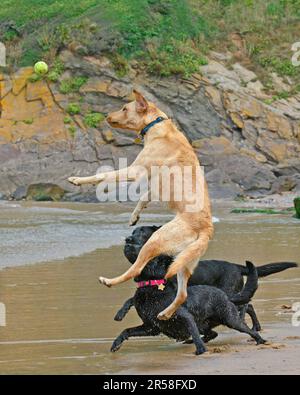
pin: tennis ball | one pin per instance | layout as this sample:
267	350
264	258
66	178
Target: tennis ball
41	68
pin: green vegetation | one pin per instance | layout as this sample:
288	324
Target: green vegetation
120	64
72	85
45	192
35	78
56	70
29	121
297	206
279	96
72	131
53	75
93	119
73	109
67	120
269	211
165	36
58	67
10	35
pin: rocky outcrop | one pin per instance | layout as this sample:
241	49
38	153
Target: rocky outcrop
45	193
248	147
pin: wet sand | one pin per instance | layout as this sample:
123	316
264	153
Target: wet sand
60	320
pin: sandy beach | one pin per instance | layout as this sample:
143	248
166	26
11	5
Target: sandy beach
60	321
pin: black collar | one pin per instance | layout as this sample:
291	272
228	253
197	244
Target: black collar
150	125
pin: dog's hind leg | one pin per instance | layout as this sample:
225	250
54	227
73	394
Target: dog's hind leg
243	311
182	281
184	266
191	254
170	239
256	324
149	251
243	328
235	322
209	336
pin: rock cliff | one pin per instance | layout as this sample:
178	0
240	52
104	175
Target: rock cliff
248	142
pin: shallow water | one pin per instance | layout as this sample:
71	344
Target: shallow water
59	320
59	231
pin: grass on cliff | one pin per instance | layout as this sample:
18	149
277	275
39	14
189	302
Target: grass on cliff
165	36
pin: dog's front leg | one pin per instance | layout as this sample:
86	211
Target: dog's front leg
124	310
93	180
142	204
128	174
137	331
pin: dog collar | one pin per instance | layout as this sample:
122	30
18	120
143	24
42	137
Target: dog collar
161	284
150	125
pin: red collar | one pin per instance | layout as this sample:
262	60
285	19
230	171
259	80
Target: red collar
152	283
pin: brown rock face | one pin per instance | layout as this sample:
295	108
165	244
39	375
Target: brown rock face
96	84
29	111
108	136
215	146
280	125
246	146
274	149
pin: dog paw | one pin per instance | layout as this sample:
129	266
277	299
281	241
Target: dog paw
190	341
262	342
134	220
105	281
164	316
116	346
200	351
75	180
119	317
171	273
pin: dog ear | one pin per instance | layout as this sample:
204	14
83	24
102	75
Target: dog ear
155	228
141	102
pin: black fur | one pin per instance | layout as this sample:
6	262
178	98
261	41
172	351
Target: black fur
221	274
206	308
271	268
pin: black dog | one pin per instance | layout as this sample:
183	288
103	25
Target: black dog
206	307
221	274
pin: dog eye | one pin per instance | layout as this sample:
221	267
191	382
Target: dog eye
124	109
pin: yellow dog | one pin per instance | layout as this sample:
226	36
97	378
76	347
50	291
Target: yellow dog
186	237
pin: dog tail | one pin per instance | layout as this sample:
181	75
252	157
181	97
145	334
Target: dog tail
271	268
250	288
